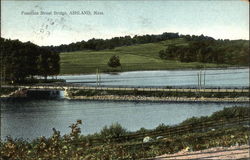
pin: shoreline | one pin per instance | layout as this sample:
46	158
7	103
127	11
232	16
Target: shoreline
141	99
159	99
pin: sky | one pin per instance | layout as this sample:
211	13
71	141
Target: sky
221	19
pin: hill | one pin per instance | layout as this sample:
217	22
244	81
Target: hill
134	57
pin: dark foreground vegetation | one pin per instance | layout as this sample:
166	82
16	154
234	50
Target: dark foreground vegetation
223	128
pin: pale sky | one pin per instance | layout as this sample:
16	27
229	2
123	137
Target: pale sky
221	19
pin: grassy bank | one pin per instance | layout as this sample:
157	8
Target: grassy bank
133	58
115	142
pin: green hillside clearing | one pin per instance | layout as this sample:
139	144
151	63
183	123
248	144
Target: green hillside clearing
133	58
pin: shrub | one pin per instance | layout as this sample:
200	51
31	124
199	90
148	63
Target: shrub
115	130
114	61
161	127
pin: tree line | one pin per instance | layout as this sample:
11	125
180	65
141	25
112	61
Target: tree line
100	44
26	60
209	51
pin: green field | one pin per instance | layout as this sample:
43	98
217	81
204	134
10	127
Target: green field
133	58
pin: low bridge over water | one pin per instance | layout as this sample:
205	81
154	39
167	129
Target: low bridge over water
65	86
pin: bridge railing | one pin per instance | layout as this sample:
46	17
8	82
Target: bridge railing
115	88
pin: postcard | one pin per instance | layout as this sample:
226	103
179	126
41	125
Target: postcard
124	79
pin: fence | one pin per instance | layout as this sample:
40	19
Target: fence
178	130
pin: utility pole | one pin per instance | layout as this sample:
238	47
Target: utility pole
200	79
204	78
98	77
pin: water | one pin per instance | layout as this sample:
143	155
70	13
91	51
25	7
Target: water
34	118
213	78
29	119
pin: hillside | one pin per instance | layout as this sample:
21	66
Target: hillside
134	57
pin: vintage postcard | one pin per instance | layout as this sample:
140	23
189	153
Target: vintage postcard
124	79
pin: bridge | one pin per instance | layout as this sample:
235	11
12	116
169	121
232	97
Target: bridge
68	86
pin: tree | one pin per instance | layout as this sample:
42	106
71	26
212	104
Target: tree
114	61
162	54
20	61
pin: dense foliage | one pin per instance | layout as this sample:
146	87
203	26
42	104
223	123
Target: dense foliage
21	60
209	51
91	147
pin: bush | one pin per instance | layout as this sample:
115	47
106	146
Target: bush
226	113
115	130
162	127
232	112
114	61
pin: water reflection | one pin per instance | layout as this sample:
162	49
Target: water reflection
33	118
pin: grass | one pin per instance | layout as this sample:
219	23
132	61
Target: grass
133	58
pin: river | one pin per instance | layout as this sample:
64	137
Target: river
33	118
30	118
213	78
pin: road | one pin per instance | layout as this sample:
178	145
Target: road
235	152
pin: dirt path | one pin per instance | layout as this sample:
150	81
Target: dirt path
235	152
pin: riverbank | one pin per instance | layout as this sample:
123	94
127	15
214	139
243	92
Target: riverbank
158	99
